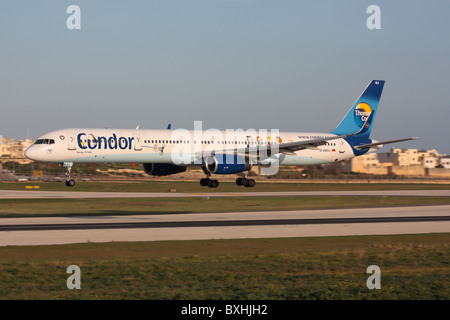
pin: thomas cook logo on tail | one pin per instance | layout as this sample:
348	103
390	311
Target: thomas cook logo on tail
362	113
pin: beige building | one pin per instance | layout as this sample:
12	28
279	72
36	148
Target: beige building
409	162
445	162
367	163
406	157
430	162
11	149
411	157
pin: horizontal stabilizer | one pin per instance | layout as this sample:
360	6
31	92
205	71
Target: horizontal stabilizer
369	145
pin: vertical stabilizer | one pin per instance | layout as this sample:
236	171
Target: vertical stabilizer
363	111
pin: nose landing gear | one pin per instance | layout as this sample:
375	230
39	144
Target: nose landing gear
69	181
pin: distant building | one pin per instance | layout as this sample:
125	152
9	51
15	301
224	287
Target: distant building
407	157
445	162
368	163
410	162
14	150
430	162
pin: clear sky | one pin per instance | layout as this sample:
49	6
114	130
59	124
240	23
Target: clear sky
275	64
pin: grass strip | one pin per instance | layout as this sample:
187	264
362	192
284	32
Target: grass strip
121	206
412	267
184	186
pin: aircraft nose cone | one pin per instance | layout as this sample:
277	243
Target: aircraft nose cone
30	153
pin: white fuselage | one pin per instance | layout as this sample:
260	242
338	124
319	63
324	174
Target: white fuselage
163	146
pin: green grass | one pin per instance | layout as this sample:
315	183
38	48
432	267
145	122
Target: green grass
412	267
184	186
118	206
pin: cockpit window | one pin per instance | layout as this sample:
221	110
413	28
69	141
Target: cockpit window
44	141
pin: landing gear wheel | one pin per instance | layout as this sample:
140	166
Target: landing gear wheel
207	182
245	182
70	183
213	183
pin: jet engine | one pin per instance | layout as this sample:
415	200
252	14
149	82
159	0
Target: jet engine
227	164
162	169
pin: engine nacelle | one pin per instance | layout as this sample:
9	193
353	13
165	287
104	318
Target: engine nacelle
162	169
227	164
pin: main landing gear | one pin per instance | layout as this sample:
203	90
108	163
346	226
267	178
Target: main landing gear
69	181
212	183
207	182
244	181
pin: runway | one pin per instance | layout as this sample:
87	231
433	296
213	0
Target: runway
195	226
232	223
36	194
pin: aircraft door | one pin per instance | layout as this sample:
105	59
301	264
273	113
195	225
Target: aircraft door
137	142
342	147
71	143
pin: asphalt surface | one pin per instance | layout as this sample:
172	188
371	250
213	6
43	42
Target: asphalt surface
228	225
36	194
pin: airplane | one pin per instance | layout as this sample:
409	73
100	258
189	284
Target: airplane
167	152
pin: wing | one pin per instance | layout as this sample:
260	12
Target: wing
291	147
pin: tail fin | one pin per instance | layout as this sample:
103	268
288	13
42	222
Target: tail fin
362	113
